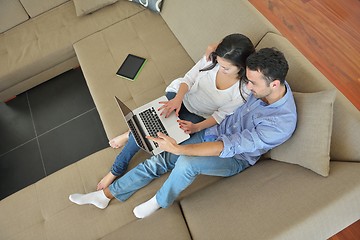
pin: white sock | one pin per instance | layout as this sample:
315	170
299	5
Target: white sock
96	198
147	208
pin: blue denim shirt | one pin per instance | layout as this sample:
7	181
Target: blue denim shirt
256	127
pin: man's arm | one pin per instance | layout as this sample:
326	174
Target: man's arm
211	48
168	144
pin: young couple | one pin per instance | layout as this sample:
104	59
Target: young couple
236	108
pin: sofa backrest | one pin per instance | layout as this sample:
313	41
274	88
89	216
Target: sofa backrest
36	7
198	23
12	13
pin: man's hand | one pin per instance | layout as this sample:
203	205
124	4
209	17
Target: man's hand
210	49
166	143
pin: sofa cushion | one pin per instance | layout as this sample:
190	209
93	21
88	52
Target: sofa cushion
36	7
309	146
12	13
84	7
304	77
164	224
275	200
154	5
21	215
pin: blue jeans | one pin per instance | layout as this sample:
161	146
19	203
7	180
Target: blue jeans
131	148
184	171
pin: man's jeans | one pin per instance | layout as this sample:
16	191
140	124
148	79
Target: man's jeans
184	171
131	148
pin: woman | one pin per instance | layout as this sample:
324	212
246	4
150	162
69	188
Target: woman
209	92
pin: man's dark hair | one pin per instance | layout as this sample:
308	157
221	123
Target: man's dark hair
270	62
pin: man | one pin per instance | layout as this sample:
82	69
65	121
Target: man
266	120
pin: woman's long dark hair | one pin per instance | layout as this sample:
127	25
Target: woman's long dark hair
235	48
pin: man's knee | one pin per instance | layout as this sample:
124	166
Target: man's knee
185	164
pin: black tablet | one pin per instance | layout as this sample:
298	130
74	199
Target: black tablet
131	67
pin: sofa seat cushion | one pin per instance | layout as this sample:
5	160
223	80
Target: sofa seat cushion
164	224
43	211
304	77
46	40
275	200
101	54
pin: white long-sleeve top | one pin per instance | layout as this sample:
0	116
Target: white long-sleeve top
204	98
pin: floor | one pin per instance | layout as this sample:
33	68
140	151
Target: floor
350	233
47	128
326	32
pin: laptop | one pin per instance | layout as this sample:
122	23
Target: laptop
146	121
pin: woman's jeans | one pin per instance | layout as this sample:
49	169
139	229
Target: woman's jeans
131	148
184	171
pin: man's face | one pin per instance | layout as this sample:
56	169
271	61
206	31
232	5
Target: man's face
257	84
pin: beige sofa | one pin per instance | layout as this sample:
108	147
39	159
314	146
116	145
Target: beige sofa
36	38
275	199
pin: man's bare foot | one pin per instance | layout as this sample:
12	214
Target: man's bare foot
120	140
106	181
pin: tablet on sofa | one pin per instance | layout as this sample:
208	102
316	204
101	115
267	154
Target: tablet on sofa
131	67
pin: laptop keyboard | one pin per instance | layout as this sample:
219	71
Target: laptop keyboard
152	123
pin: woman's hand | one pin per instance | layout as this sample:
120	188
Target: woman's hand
169	106
188	126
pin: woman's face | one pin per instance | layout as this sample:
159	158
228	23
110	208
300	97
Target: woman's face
226	67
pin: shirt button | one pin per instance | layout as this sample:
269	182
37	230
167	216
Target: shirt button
248	110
